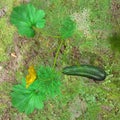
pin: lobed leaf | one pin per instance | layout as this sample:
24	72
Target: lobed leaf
67	28
25	17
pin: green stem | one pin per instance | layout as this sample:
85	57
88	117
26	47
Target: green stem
58	50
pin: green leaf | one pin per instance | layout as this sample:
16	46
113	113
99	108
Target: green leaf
39	15
38	103
40	24
26	100
49	81
67	28
25	31
25	17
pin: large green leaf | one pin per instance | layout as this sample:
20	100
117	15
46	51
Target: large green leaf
49	81
25	17
26	100
67	28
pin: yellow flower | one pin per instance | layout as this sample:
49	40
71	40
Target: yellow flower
30	78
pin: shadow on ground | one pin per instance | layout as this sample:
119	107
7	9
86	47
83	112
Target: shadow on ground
115	41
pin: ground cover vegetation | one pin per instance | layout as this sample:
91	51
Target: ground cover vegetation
72	32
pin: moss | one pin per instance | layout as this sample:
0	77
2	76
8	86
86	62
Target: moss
115	42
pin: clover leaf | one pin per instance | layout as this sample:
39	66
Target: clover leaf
67	28
25	17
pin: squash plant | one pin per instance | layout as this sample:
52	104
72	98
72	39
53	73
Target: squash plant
66	31
42	82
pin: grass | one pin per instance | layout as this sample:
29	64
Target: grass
5	88
92	39
6	39
6	31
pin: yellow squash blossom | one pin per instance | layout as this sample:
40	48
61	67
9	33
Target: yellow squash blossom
30	78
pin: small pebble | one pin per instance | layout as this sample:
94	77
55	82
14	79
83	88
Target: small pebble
1	68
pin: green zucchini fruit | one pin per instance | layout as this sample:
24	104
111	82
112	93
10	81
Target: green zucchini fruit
88	71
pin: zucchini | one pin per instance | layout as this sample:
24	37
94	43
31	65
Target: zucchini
88	71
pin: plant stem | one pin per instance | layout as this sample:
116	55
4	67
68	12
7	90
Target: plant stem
57	53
